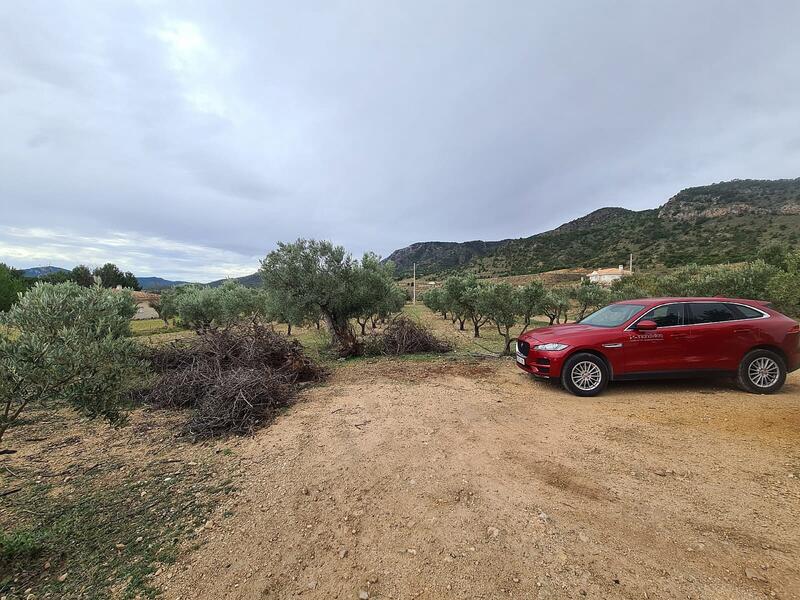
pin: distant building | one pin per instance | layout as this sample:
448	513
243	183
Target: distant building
606	276
143	309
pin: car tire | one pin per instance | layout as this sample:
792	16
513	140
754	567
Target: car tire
761	372
584	374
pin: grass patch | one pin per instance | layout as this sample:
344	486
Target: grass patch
102	534
315	341
154	326
20	545
489	343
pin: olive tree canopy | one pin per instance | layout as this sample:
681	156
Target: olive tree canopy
319	278
70	345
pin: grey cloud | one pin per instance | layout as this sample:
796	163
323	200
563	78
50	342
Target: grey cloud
231	126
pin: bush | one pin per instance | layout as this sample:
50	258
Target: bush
235	379
404	336
201	308
71	347
784	287
12	284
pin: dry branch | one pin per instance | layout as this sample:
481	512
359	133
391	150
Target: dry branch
235	379
404	336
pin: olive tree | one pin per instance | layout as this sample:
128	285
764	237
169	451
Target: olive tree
747	280
471	302
202	308
555	305
434	299
500	303
453	299
376	292
327	280
530	298
632	287
590	296
281	309
70	346
391	303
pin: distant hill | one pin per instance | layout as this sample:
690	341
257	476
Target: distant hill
147	283
432	257
253	280
35	272
158	283
722	222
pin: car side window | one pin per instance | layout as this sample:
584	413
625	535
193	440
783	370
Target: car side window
709	312
667	315
744	312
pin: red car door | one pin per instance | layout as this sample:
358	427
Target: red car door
662	350
718	340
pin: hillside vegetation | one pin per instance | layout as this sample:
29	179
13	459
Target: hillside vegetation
713	224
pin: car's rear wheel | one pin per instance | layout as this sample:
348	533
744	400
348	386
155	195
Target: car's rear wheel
761	372
584	374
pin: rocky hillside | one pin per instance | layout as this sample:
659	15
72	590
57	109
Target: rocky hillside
734	198
723	222
36	272
158	283
253	280
598	218
432	257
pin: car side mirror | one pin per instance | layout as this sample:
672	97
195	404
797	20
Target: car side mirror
646	325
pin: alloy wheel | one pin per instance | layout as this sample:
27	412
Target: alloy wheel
586	375
763	372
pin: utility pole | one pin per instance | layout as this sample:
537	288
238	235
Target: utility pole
414	296
630	264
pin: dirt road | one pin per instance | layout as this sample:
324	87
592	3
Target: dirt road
454	480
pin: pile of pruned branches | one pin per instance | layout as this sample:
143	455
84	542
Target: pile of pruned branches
235	379
405	336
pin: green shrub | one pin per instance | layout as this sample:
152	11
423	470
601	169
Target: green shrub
12	284
72	347
202	308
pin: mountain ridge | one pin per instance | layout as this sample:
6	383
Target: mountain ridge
147	283
705	224
34	272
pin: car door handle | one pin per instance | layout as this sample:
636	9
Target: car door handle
679	336
741	331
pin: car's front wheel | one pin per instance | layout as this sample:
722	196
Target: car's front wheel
761	372
584	374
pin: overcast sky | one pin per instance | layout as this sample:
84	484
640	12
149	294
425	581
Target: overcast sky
184	139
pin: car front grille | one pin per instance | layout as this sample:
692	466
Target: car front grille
523	347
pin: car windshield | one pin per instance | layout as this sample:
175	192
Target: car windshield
612	315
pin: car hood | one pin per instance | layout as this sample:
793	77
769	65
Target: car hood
558	333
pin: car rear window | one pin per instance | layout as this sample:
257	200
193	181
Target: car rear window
668	315
744	312
709	312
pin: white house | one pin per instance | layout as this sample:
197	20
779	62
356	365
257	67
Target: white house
606	276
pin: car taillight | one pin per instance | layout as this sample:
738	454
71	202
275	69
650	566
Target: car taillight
795	329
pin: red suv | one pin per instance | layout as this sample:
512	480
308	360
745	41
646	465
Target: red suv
666	337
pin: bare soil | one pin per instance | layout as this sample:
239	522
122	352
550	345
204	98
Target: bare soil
459	479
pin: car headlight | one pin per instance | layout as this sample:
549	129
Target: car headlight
552	346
